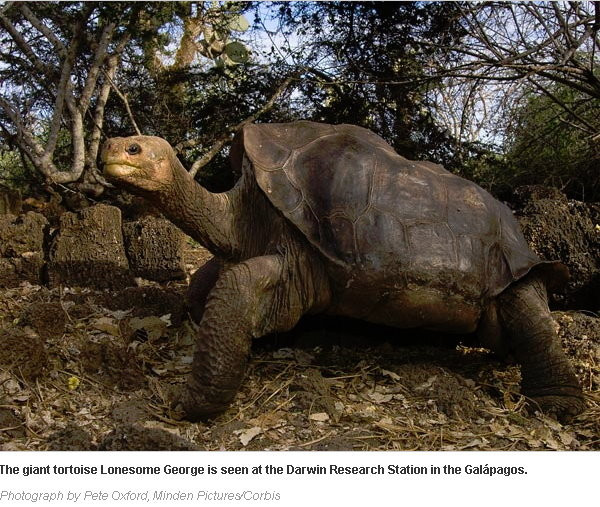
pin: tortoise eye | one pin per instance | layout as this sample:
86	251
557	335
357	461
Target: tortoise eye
133	149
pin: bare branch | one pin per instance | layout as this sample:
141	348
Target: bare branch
22	44
125	102
64	89
42	157
32	146
27	141
67	104
526	52
98	118
92	77
5	7
210	154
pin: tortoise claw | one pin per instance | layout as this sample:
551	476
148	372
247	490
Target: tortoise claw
196	405
562	408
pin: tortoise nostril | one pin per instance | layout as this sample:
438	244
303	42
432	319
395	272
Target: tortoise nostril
133	149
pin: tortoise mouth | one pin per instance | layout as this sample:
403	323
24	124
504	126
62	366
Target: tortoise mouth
118	170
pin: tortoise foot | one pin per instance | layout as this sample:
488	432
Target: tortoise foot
561	407
201	404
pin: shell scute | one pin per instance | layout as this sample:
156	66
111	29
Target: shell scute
268	153
271	182
390	236
437	242
470	210
408	192
334	176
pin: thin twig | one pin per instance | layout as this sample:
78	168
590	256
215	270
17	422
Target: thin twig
125	102
305	444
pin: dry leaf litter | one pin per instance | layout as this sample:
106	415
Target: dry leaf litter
83	370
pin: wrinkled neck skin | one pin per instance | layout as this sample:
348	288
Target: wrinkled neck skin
233	225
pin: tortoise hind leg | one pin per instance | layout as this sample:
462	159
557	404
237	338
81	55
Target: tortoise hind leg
547	375
249	300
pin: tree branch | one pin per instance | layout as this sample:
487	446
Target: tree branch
125	102
224	138
27	141
92	77
40	27
26	49
98	118
64	89
565	107
541	40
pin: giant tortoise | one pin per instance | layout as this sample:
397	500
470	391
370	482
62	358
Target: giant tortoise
330	219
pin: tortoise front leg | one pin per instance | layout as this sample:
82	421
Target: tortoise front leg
201	283
249	300
547	375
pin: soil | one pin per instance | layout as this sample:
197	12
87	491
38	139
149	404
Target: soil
21	234
85	369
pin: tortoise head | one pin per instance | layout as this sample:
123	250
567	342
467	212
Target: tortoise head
141	164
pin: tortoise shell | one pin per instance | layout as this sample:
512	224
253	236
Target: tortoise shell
385	220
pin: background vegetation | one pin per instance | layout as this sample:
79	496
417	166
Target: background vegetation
503	93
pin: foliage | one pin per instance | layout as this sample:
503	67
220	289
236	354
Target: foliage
12	172
417	73
53	58
60	63
372	63
544	146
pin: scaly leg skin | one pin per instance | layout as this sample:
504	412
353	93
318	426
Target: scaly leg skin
249	300
201	283
547	375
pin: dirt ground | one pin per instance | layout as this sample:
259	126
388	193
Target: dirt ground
83	369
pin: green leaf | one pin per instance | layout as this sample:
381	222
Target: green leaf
236	53
239	23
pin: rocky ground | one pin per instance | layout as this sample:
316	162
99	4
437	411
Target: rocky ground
90	369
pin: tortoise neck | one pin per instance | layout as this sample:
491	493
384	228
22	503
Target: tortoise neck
204	216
